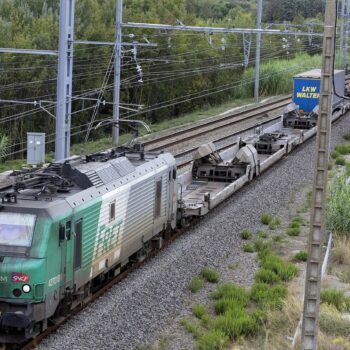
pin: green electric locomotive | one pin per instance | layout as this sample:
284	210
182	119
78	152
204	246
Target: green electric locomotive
69	226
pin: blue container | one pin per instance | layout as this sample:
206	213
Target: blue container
306	92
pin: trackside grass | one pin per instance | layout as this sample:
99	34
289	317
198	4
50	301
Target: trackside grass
240	312
246	234
210	275
266	218
336	298
301	256
196	284
338	207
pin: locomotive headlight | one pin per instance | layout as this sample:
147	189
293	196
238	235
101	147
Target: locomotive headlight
26	288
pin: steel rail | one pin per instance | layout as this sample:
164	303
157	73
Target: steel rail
212	125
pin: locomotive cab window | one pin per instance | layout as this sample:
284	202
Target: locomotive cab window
68	230
111	211
158	199
16	229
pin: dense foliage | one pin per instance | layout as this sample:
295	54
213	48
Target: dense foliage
338	209
186	71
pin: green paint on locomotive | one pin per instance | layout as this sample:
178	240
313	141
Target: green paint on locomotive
50	263
33	266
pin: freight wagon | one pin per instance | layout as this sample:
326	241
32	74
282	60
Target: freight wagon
302	113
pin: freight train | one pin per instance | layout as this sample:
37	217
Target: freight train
67	228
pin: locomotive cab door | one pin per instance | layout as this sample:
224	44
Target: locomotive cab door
66	245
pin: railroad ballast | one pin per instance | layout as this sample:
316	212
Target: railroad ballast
71	226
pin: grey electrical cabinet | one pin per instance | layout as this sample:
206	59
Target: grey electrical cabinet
35	148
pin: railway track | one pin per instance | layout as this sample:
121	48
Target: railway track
257	112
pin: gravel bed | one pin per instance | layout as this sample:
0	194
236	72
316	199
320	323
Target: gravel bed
141	307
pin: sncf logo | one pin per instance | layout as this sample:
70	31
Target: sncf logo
19	277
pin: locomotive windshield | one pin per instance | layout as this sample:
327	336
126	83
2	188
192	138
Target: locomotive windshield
16	229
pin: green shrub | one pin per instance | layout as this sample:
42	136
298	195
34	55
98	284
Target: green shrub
285	271
343	148
272	225
332	323
336	298
213	340
293	231
301	256
266	276
199	310
225	305
268	297
294	224
346	137
246	234
344	277
191	328
210	275
340	161
277	222
195	285
335	154
338	207
231	291
260	245
235	324
206	321
330	166
248	248
262	234
260	317
230	297
278	238
347	169
297	219
266	218
307	204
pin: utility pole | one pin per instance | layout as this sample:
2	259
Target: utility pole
117	72
317	229
346	34
341	41
64	79
257	54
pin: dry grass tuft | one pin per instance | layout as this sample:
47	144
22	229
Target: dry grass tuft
341	250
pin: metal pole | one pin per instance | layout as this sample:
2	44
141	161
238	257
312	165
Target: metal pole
257	54
346	36
341	43
117	71
64	79
316	235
